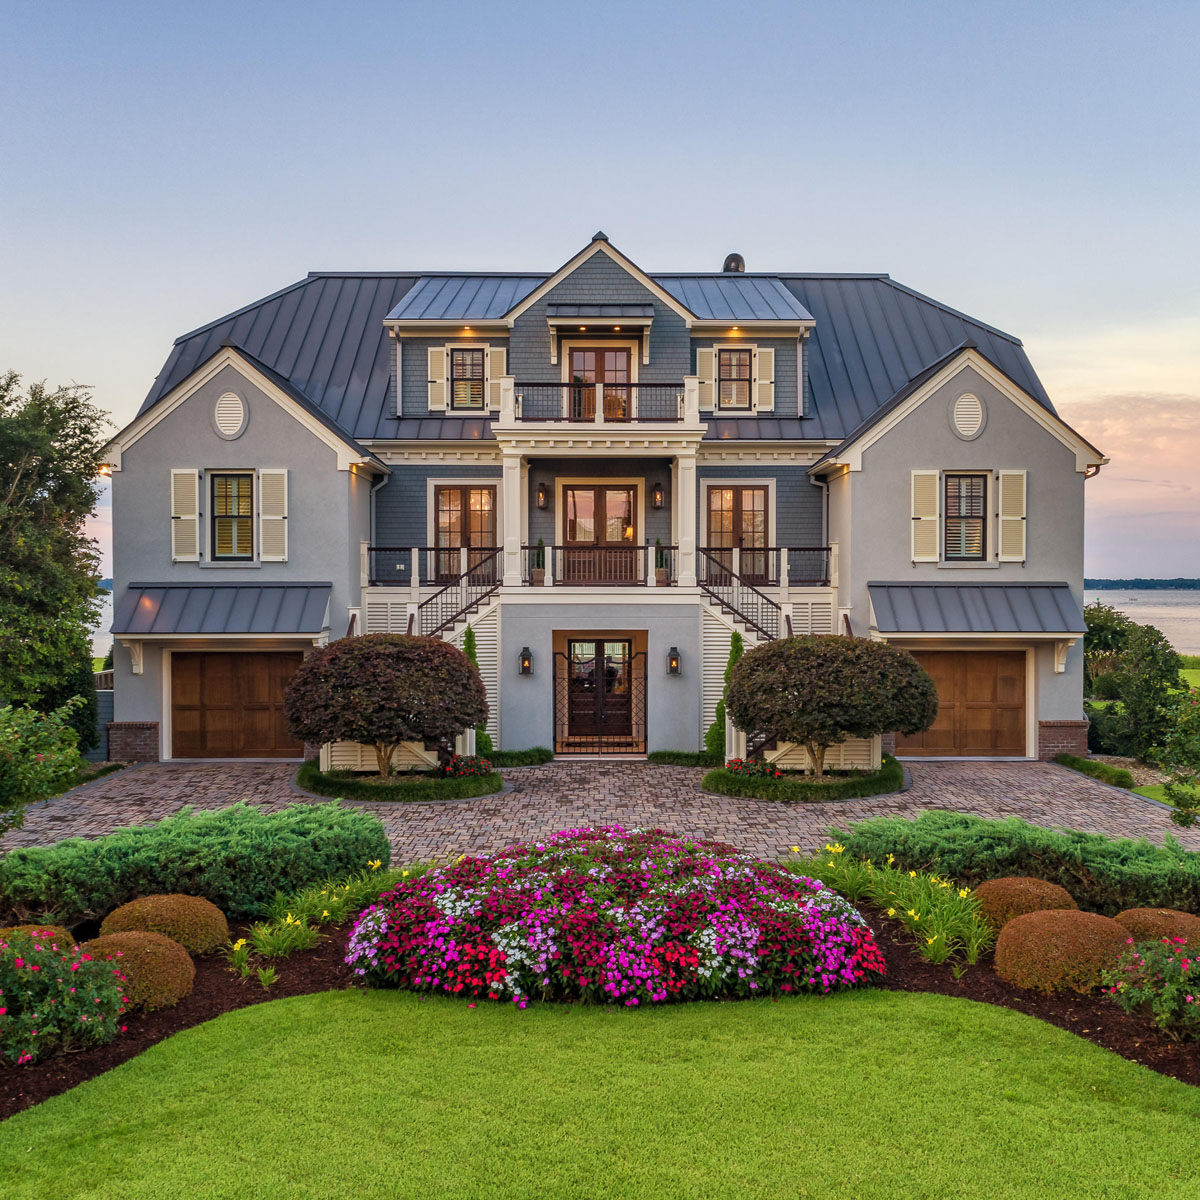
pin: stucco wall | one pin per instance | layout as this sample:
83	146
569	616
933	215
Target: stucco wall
672	701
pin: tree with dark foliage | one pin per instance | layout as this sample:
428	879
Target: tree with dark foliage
819	691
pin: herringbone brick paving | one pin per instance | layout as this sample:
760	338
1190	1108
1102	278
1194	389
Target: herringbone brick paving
565	795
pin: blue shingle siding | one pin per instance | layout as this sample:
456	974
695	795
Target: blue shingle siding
599	280
799	503
542	522
104	714
785	368
415	372
400	505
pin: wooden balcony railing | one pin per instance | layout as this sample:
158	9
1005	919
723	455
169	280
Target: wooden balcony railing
599	566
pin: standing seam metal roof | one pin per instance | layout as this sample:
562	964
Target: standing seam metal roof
273	609
325	334
975	608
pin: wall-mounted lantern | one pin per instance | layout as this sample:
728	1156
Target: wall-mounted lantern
525	659
673	661
543	495
656	496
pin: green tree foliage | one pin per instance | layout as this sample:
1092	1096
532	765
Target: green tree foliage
714	738
1107	629
1180	754
1146	679
383	689
818	691
38	757
483	739
50	452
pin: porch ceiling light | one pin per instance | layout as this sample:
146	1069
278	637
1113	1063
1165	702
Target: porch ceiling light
673	661
543	496
526	661
656	496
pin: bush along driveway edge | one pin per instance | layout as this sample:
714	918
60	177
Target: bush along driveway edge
793	788
346	785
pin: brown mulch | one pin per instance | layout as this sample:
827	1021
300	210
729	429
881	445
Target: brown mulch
219	990
1144	774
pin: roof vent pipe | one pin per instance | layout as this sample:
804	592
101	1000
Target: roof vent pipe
734	262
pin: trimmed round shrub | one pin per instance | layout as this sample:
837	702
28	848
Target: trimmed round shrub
53	935
610	916
198	925
1152	924
1059	950
1015	895
158	972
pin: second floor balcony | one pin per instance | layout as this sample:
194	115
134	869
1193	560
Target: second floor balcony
558	403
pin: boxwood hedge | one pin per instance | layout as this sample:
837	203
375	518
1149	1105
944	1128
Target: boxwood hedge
792	787
1105	875
237	857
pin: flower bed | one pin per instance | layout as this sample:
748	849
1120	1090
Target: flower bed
611	916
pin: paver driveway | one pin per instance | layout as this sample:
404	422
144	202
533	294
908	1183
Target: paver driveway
566	795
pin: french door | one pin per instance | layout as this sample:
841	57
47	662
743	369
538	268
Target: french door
599	534
600	698
465	516
737	517
609	369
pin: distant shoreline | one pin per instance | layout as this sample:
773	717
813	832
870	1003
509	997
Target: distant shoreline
1142	585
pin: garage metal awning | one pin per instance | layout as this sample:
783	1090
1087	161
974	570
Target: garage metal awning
976	609
222	609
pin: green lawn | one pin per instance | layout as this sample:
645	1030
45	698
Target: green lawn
380	1094
1191	676
1155	791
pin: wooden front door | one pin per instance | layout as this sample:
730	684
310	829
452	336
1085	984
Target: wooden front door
465	516
596	366
230	705
601	697
737	516
981	705
599	534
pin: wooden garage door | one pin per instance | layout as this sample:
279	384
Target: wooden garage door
231	705
981	704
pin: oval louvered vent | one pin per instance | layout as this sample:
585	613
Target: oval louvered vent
968	415
230	415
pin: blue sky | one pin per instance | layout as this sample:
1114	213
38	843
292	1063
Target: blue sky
1033	164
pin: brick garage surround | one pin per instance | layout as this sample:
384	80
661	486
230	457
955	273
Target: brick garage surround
133	741
1062	737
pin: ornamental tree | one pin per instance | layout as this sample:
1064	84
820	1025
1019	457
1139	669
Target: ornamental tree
383	689
818	691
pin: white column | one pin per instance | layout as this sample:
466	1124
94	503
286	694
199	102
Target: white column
599	404
512	520
508	415
414	578
685	534
691	400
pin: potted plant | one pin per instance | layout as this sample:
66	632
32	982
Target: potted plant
538	565
662	574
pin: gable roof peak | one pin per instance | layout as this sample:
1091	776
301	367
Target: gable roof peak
599	236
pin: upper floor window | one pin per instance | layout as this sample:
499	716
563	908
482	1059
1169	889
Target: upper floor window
232	515
466	378
734	374
966	516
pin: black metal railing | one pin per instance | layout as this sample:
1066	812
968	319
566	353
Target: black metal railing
739	595
599	566
622	402
393	566
768	566
461	595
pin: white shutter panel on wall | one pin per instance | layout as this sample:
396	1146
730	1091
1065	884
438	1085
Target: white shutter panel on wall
497	365
437	378
764	379
1010	544
926	514
185	515
272	516
705	369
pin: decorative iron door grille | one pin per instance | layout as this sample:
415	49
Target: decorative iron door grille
600	698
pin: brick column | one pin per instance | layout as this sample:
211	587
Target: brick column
1062	737
133	741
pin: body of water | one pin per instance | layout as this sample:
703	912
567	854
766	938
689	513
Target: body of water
1176	613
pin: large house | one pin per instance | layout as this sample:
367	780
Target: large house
604	473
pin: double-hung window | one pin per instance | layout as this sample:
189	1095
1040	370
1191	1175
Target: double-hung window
466	378
734	374
232	515
966	518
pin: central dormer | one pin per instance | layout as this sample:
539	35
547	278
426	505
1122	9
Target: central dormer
599	342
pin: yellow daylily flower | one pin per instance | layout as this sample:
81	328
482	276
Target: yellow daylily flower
964	892
891	912
375	864
795	849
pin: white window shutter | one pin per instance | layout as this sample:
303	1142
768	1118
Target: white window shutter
705	370
437	378
185	515
764	379
497	366
926	515
272	515
1010	544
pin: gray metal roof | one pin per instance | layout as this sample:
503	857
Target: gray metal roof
734	296
975	608
611	312
325	335
211	609
464	297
